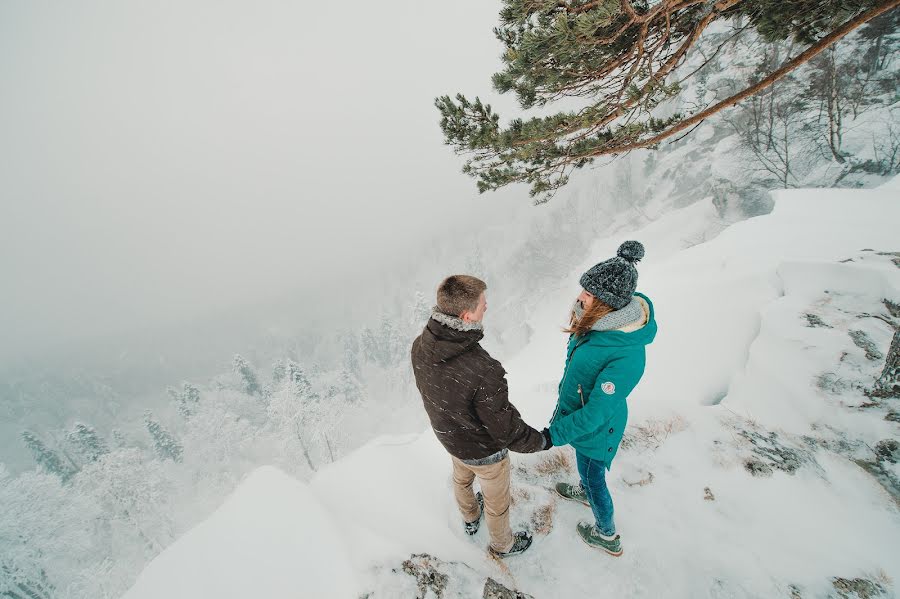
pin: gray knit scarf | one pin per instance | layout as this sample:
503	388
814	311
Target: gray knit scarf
617	319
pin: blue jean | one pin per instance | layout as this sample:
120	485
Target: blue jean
593	480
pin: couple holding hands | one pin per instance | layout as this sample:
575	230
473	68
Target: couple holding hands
465	394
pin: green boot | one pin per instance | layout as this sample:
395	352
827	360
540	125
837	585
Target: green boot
573	493
590	535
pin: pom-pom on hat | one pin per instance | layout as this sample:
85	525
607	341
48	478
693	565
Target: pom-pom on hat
615	280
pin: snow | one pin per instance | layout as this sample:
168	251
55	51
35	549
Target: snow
737	370
270	539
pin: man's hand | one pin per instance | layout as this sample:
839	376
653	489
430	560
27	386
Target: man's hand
548	441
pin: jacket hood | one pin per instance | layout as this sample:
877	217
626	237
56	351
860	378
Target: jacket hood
441	342
642	335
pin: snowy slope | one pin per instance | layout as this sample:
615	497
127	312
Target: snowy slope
270	539
747	469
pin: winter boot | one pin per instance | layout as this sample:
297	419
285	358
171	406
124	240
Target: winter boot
521	542
472	527
590	535
572	493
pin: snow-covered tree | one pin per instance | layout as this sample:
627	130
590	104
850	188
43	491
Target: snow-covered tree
166	445
42	534
393	343
87	442
249	380
118	439
349	385
132	492
420	311
279	371
351	354
186	399
298	383
48	459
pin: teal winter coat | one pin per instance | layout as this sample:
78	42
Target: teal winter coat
602	368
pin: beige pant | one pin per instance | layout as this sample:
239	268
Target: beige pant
494	479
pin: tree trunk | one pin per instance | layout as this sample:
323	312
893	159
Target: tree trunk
771	132
875	60
834	109
305	449
787	157
888	384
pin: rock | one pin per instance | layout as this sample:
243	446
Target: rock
422	567
893	308
708	495
495	590
757	468
857	588
889	450
771	454
863	342
814	320
892	416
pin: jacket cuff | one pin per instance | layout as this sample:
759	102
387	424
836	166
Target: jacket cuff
555	436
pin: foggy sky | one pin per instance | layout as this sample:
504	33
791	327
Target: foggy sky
164	161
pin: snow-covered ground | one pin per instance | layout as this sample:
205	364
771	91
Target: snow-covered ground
748	469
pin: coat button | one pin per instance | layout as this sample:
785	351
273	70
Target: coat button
610	430
610	449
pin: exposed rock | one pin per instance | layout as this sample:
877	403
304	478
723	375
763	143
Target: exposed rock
863	342
860	588
495	590
708	495
895	257
883	475
757	468
422	567
888	450
814	320
892	416
893	308
772	454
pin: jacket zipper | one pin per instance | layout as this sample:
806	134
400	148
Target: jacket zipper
566	375
581	394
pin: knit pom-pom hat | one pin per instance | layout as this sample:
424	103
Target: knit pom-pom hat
615	280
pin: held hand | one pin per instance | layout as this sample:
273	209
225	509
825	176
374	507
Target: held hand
548	441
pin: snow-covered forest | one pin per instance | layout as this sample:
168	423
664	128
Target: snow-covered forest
100	474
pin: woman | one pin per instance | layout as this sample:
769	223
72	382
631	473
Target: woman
609	328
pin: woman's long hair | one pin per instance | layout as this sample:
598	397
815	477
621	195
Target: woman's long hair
580	326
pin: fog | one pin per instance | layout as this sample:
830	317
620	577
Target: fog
173	163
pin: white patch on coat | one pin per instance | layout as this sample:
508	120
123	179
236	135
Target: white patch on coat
608	387
455	322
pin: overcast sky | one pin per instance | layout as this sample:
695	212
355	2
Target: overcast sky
164	161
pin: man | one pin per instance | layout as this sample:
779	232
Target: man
465	394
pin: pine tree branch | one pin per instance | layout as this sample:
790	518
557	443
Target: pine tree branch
654	78
791	65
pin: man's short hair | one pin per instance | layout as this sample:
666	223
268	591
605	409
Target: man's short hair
459	293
